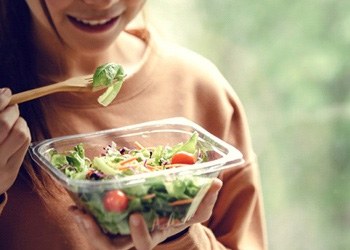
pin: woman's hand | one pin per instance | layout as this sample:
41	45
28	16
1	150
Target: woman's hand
140	238
14	140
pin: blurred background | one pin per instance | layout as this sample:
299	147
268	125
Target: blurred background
289	61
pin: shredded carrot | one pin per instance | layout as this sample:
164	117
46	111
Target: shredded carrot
123	168
152	168
181	202
127	160
148	196
149	167
173	165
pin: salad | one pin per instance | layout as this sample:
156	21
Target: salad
163	199
110	75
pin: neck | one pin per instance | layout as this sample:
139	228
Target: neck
57	62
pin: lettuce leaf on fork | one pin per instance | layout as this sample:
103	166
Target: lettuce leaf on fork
111	75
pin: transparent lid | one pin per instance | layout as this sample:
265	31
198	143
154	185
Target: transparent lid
160	132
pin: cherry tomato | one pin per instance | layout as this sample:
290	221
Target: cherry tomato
183	157
115	201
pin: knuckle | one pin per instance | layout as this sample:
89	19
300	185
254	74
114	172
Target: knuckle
21	131
148	246
8	179
207	216
5	126
6	123
163	234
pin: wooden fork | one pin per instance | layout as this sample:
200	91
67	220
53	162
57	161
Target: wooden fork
76	84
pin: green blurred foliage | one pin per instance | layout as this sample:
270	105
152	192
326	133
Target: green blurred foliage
289	63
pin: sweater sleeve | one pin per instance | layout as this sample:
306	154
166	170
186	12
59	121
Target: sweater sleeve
3	200
238	220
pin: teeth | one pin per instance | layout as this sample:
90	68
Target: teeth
94	22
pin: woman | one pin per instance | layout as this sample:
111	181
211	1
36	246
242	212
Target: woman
45	41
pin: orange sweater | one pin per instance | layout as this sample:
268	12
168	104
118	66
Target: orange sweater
172	81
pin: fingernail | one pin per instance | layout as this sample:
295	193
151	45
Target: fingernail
86	224
134	220
81	222
5	91
77	219
218	183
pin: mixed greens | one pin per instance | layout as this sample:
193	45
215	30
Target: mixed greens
163	199
110	75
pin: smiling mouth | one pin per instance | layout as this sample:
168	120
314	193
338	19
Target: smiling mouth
98	25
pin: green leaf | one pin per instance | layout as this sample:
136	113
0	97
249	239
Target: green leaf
189	146
106	74
176	189
101	165
109	95
109	75
58	160
80	150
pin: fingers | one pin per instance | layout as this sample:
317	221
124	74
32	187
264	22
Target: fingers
97	238
139	232
14	140
144	241
141	239
212	194
202	214
205	208
12	166
86	223
216	185
18	136
8	116
5	97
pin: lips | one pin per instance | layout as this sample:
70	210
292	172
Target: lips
93	25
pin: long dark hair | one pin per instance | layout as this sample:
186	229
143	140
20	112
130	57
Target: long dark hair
18	72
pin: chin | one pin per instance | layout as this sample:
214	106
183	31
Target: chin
91	48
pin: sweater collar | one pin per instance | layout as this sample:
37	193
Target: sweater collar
134	83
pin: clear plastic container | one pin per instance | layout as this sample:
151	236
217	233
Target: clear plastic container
158	208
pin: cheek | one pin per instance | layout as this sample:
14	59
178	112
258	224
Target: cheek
56	5
56	10
134	7
137	2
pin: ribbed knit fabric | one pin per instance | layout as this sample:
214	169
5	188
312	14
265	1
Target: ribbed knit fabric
171	82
